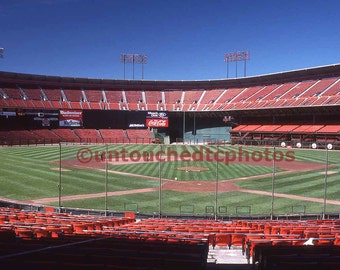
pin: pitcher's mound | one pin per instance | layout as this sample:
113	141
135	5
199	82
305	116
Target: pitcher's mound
193	169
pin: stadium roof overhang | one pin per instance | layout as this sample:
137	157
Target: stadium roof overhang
31	80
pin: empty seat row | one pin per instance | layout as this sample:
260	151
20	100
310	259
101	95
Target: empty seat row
41	136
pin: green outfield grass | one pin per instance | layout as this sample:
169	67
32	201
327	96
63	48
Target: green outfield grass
31	173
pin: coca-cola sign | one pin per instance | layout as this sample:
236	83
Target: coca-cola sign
154	123
157	119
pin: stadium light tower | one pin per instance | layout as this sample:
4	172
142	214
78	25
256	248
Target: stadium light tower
235	57
2	52
134	59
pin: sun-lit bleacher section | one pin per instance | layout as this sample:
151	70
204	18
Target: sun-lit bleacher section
225	99
35	96
154	100
74	98
312	92
52	240
113	99
191	101
210	98
17	99
173	100
135	100
94	98
291	133
53	98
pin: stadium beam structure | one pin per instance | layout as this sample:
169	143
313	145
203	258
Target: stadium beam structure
216	186
134	59
106	178
328	147
59	184
160	185
236	57
273	188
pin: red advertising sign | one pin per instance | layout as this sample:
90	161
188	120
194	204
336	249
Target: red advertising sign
70	118
156	119
157	123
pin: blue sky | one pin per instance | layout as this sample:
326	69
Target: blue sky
183	39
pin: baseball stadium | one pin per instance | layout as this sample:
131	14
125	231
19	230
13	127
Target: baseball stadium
139	174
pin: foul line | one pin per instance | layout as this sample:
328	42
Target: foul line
93	195
288	196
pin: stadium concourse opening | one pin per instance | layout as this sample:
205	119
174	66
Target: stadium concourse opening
265	187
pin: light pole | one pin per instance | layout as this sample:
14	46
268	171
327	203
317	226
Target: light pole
235	57
134	59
